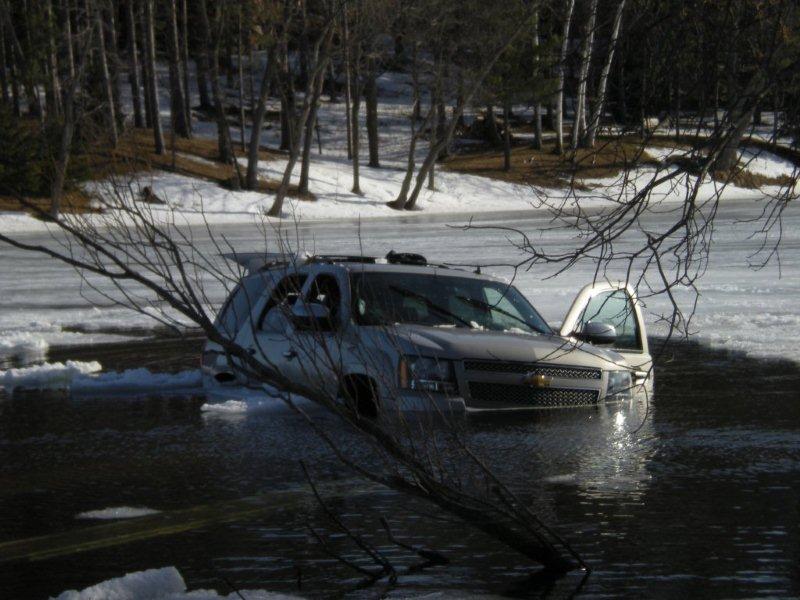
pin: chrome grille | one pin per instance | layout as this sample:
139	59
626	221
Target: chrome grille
491	366
495	395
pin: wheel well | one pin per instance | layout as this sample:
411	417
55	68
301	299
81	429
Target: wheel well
361	392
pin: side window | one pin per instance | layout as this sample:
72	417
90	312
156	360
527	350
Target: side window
504	314
616	308
325	290
283	296
237	309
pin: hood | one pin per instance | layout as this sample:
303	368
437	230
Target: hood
462	343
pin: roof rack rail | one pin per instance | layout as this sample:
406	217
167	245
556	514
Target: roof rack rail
342	258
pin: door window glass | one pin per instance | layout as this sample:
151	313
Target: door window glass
325	290
280	302
615	308
240	304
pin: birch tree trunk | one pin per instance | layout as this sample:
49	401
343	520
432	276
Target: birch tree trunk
599	106
537	105
133	67
158	134
561	69
104	74
180	124
54	110
579	124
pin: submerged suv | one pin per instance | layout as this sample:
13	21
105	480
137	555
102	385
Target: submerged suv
400	333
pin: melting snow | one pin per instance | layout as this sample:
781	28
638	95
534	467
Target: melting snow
117	512
158	584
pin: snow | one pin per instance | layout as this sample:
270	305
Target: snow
117	512
159	584
49	375
234	401
86	379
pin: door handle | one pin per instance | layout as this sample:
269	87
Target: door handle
289	354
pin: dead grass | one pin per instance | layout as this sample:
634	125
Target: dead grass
135	153
611	156
544	168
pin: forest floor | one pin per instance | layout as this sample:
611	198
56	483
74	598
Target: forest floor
611	157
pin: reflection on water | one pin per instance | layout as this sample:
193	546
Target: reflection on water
695	493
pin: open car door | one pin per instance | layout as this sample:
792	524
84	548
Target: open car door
613	303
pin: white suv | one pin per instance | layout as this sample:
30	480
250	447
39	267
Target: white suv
399	333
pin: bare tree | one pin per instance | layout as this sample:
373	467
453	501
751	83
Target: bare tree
152	84
133	66
579	123
212	40
561	76
597	112
177	92
102	58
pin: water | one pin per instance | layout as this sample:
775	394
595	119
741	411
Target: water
695	494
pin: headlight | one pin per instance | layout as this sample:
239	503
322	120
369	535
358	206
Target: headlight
427	374
619	385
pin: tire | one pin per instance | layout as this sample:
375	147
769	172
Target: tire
360	394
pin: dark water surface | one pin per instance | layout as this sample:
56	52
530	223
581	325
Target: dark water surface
697	494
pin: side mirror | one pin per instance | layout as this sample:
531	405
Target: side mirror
599	333
311	315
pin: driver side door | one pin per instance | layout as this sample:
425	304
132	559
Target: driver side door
614	303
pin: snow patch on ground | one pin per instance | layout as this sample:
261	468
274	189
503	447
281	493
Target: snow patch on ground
158	584
86	378
24	345
117	512
233	401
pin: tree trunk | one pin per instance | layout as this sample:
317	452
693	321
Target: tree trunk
201	64
3	62
150	43
579	123
599	105
561	77
356	189
492	133
240	73
149	112
399	203
507	136
537	105
371	105
287	100
54	92
224	144
258	121
302	186
187	93
133	69
114	62
180	124
348	90
104	74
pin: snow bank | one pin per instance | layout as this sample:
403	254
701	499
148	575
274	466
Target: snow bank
85	378
48	375
24	345
158	584
117	512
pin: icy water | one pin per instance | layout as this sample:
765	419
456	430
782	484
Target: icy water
696	496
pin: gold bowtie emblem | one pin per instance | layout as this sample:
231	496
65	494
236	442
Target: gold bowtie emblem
536	380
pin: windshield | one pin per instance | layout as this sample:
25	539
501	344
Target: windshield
442	301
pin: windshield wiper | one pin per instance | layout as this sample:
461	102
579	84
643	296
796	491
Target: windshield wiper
490	307
431	304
